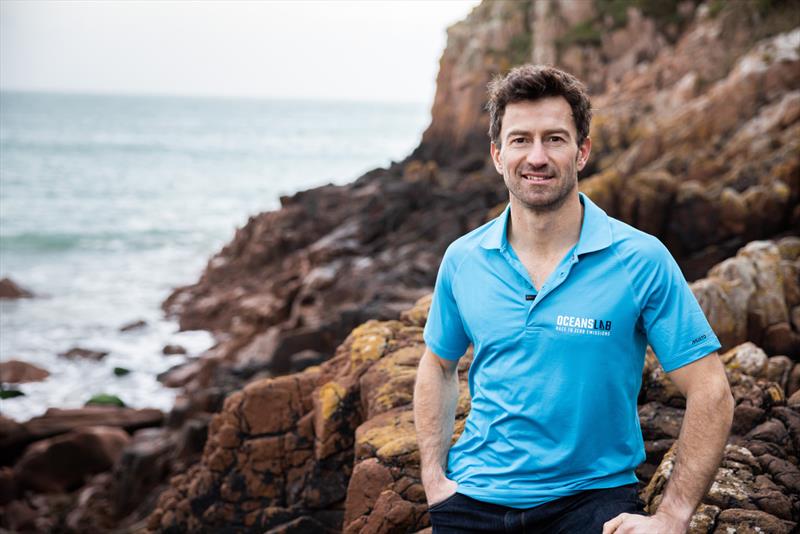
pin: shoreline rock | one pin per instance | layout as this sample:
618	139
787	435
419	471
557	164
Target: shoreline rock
696	141
11	290
355	410
133	325
19	372
82	353
61	463
14	437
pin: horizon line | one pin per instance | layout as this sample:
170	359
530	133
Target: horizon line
208	96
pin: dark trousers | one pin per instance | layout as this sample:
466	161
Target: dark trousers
584	512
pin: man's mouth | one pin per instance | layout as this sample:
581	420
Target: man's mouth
537	177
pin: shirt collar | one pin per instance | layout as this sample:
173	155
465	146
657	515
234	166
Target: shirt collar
595	229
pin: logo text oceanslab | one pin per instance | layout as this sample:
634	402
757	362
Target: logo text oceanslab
583	325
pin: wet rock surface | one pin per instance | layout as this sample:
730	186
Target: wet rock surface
133	325
95	478
340	439
9	289
14	437
83	353
62	463
17	372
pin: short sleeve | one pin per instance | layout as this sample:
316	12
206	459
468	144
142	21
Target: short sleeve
444	330
673	321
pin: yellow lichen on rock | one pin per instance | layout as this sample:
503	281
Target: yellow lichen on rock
369	341
388	396
776	394
380	435
389	383
402	445
330	396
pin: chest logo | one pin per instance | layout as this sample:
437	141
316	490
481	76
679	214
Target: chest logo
583	325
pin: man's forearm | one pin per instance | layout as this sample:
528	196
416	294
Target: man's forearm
435	399
704	432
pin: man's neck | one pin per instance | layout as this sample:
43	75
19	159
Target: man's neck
545	233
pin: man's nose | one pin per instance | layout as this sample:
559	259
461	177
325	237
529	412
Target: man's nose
536	154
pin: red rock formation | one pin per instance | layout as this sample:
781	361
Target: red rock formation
81	353
695	140
293	283
282	449
754	295
14	436
62	463
17	372
695	170
11	290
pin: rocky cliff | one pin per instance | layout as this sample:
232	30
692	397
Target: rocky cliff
697	110
333	447
319	307
696	139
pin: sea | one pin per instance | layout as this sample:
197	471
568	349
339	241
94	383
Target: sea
108	202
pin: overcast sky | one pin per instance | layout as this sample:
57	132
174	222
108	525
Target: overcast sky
377	50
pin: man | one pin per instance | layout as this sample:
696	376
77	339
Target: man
559	302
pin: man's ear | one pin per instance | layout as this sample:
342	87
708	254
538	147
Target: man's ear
498	163
583	153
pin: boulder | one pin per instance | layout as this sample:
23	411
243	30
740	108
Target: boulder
88	354
11	290
343	438
8	485
17	372
141	466
752	522
173	349
133	325
93	510
62	463
14	436
744	298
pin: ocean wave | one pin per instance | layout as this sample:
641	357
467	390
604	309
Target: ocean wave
109	240
109	147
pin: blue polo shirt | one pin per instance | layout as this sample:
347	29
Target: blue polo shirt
556	373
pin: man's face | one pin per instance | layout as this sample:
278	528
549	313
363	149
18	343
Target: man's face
538	155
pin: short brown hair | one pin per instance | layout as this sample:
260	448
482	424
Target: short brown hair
531	82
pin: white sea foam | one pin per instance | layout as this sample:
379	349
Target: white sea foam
107	203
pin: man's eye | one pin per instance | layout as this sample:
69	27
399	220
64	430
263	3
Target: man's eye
555	139
518	140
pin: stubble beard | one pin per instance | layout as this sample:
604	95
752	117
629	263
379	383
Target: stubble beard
550	203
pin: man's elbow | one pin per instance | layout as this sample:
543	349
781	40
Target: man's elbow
716	395
726	402
432	362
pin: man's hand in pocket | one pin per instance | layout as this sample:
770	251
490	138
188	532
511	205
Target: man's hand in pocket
440	490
